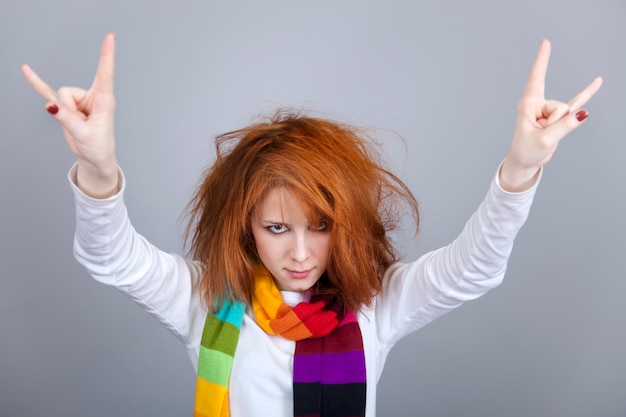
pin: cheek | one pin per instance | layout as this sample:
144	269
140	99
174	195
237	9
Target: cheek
264	253
324	245
267	248
260	244
257	241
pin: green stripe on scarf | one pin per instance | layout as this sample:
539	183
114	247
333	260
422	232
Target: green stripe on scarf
217	351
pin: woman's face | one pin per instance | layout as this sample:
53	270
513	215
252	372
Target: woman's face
295	253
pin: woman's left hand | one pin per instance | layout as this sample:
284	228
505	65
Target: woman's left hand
541	124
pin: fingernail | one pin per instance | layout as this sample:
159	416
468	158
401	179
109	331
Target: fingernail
52	109
581	115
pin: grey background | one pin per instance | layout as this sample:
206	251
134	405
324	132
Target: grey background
445	76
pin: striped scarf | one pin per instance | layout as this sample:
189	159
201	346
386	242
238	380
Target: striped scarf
329	363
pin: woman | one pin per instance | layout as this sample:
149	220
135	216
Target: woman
294	295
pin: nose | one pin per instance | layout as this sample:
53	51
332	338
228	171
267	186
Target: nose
300	248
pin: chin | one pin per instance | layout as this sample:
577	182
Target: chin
297	286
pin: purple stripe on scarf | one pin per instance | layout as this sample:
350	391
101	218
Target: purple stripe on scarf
336	368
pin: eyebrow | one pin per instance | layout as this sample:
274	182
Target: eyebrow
274	222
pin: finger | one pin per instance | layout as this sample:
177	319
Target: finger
554	111
71	121
581	98
535	88
44	90
103	81
567	124
70	99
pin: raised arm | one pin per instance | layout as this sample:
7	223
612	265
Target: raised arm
86	117
541	124
476	261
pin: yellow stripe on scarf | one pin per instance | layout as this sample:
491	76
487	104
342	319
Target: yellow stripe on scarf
211	399
271	313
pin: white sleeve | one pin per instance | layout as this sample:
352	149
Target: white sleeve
417	293
163	284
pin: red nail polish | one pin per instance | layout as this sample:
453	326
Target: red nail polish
52	109
581	115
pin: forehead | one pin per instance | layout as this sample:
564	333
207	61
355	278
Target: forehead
281	204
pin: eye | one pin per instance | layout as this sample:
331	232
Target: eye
322	227
277	228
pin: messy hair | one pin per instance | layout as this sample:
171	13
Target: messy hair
335	174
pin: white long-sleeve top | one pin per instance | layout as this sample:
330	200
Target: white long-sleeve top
413	295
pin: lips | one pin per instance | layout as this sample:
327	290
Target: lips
299	274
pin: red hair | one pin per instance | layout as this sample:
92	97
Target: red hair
336	176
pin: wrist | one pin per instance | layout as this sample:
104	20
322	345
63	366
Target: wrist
98	181
515	179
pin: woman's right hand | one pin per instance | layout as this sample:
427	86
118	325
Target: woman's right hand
86	117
